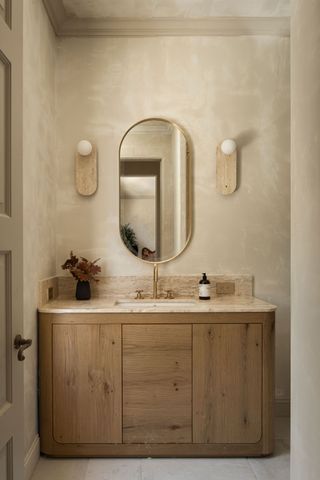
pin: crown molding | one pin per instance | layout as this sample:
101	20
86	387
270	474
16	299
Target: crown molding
156	27
56	13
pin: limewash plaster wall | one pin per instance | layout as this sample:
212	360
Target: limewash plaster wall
305	72
39	182
214	87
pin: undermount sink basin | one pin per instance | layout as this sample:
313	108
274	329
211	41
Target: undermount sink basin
149	303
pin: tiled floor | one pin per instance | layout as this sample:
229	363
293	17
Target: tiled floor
270	468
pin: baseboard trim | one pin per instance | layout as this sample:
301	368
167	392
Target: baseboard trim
32	458
282	407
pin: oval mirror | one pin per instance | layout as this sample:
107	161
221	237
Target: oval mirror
155	215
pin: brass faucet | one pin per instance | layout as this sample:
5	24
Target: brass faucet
169	295
155	281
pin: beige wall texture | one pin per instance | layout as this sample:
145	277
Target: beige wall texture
39	183
305	240
214	87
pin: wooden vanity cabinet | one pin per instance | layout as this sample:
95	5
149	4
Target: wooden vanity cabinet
86	383
157	383
227	386
173	384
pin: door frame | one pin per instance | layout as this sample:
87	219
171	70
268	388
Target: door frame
11	243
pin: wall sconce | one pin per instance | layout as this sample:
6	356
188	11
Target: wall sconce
86	168
227	167
84	148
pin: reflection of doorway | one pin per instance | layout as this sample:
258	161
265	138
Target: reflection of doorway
149	190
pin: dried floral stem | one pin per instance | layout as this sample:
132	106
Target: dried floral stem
82	269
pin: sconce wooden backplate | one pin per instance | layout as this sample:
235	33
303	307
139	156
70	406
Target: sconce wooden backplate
86	173
226	172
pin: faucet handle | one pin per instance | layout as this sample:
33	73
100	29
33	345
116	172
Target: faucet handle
139	294
169	294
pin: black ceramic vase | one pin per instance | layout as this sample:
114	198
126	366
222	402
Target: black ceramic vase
83	291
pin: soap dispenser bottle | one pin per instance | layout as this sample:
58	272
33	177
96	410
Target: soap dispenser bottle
204	288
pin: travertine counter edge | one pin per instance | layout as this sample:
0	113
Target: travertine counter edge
225	303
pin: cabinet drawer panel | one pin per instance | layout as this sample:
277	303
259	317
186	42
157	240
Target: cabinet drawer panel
227	389
87	383
157	383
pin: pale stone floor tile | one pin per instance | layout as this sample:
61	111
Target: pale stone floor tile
197	469
61	469
275	467
114	469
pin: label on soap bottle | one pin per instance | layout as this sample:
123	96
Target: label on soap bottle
204	290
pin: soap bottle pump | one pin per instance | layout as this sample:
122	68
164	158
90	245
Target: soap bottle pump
204	288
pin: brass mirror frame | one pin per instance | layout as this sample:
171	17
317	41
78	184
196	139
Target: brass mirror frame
189	189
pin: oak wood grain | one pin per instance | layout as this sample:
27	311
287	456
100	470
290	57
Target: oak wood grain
268	366
157	384
157	318
86	375
153	450
227	383
45	377
47	324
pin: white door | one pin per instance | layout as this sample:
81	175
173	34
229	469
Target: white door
11	323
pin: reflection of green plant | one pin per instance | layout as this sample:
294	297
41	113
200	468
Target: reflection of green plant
129	238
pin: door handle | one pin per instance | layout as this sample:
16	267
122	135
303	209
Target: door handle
21	344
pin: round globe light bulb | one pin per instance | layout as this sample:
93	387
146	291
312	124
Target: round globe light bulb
228	146
84	148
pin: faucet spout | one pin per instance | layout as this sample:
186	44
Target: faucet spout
155	280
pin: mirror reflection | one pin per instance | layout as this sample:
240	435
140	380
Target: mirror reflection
154	190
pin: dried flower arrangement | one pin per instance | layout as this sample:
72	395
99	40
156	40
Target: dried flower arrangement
82	270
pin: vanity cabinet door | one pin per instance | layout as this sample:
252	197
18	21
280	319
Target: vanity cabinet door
227	388
157	381
86	383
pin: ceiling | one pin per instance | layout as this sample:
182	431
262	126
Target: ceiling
138	187
176	8
141	18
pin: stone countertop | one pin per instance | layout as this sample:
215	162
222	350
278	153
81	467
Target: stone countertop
223	303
